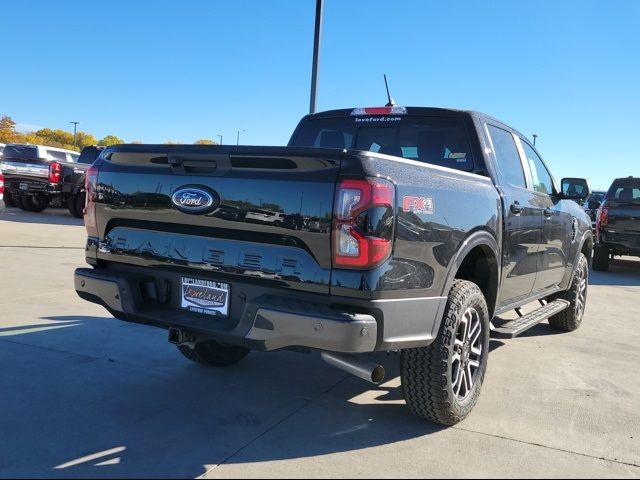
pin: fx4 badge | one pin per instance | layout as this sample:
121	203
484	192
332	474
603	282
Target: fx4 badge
418	205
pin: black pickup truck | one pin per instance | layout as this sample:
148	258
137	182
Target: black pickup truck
34	180
440	220
617	222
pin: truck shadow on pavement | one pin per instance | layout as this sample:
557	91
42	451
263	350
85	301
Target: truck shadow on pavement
51	216
622	272
102	398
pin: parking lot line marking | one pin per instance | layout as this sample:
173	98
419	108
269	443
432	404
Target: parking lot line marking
94	456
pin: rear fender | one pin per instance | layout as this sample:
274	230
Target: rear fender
476	239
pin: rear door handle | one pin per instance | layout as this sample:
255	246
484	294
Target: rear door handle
548	212
516	209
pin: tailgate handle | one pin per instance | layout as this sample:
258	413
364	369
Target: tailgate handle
201	164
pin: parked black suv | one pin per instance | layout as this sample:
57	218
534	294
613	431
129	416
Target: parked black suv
617	222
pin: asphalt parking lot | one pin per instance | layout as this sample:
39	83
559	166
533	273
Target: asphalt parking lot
83	395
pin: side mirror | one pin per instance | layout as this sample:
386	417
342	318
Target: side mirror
594	205
575	189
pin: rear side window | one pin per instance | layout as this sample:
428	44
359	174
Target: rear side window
507	157
54	155
625	190
438	140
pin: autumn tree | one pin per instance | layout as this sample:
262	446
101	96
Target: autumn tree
7	130
205	141
110	140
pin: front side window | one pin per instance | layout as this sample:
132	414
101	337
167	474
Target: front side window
542	181
507	157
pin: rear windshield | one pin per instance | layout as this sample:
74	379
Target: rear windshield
625	190
20	152
435	140
596	196
89	155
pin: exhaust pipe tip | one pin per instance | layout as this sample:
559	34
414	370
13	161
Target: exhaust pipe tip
377	375
176	336
366	370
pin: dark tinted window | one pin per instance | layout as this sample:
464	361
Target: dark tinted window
435	140
625	190
507	157
89	155
596	196
20	151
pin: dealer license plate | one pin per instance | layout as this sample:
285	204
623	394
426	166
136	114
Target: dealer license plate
205	296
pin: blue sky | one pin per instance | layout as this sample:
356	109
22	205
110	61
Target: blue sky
166	70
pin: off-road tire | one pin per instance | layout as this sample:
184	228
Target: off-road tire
9	200
426	372
75	204
214	354
600	262
20	203
31	204
570	318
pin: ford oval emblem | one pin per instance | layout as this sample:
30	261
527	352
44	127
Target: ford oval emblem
195	199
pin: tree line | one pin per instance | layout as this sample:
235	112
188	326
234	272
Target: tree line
62	138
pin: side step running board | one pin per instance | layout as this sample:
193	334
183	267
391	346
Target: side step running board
515	327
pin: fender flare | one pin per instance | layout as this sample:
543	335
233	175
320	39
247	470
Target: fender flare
588	235
480	238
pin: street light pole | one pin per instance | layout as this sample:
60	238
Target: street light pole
238	139
316	55
220	137
75	131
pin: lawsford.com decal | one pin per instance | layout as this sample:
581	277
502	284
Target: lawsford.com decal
377	119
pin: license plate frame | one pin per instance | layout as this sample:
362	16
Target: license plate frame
208	297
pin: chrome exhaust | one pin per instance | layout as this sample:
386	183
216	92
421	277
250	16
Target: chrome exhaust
366	370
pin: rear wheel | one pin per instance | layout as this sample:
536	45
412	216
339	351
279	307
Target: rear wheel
214	354
9	201
601	259
20	203
35	204
571	318
75	204
442	382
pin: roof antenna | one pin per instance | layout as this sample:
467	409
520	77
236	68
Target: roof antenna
392	102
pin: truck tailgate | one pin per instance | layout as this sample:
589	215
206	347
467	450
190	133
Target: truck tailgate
257	228
623	223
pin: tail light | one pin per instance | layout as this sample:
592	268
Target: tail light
91	189
1	184
602	219
55	172
363	223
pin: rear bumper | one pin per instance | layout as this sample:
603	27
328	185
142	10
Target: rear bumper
620	243
270	319
33	186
